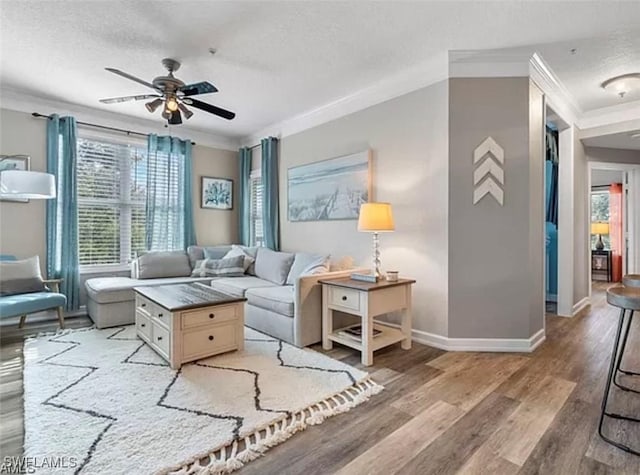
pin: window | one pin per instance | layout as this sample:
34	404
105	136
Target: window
111	181
255	214
600	212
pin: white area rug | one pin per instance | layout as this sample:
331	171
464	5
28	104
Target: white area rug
109	401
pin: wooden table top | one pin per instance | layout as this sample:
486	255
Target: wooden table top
349	283
175	297
624	297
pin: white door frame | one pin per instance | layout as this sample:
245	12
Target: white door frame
630	209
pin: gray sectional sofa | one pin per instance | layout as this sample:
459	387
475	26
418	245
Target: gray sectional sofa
284	299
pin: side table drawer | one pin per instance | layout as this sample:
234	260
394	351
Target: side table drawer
347	298
143	325
210	340
198	318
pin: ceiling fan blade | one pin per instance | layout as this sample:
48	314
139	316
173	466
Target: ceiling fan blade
175	118
225	114
129	76
196	88
117	100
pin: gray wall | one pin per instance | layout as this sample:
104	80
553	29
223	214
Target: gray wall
22	225
581	238
606	177
612	155
495	267
409	139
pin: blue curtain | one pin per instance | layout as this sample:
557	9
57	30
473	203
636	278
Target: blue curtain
62	212
270	213
169	209
244	224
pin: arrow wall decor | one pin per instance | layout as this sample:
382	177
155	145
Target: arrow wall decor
488	177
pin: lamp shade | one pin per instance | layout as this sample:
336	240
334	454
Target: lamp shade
21	184
375	217
599	228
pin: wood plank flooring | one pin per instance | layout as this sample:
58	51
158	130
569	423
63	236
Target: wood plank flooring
441	413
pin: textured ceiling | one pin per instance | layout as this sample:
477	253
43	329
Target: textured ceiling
279	59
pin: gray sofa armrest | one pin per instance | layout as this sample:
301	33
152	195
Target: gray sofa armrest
307	323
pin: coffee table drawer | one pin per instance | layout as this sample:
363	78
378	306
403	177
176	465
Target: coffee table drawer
161	339
208	316
209	341
143	325
347	298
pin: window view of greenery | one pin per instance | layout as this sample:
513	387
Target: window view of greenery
111	201
600	212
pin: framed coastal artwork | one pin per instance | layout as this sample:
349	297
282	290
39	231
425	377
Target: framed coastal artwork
15	162
217	193
330	189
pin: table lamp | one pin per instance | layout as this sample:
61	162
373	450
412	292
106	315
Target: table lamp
376	218
599	228
23	184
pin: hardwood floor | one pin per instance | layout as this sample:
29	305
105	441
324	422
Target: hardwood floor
444	412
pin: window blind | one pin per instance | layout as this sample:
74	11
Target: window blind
111	181
256	227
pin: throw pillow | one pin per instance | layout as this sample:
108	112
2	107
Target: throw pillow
239	251
252	252
230	267
197	268
307	264
154	265
273	266
21	277
215	252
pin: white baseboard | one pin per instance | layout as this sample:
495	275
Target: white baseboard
510	345
580	306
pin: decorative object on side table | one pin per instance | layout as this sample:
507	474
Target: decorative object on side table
392	275
216	193
376	218
331	189
18	183
599	228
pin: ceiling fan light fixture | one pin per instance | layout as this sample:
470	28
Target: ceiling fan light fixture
187	113
175	118
166	114
622	84
171	104
153	105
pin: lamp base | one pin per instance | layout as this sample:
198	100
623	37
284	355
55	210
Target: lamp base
599	244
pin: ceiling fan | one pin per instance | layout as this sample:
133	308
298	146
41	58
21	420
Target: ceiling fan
173	94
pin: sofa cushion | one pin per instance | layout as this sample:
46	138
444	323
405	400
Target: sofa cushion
306	263
196	253
237	286
21	276
153	265
252	252
226	267
16	305
278	299
120	289
273	266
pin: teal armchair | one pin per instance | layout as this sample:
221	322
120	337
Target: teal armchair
21	305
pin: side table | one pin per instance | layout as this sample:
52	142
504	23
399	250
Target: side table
366	300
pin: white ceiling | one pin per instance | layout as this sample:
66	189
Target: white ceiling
622	140
279	59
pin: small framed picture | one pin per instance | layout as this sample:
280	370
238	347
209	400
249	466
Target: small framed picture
15	162
216	193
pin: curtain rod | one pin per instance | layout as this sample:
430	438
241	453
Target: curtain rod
97	126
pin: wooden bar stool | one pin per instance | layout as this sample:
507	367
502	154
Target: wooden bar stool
631	280
626	298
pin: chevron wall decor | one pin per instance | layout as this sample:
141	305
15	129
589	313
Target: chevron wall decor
488	176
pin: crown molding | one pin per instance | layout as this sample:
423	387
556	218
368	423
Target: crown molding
19	101
418	77
606	116
557	96
487	64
